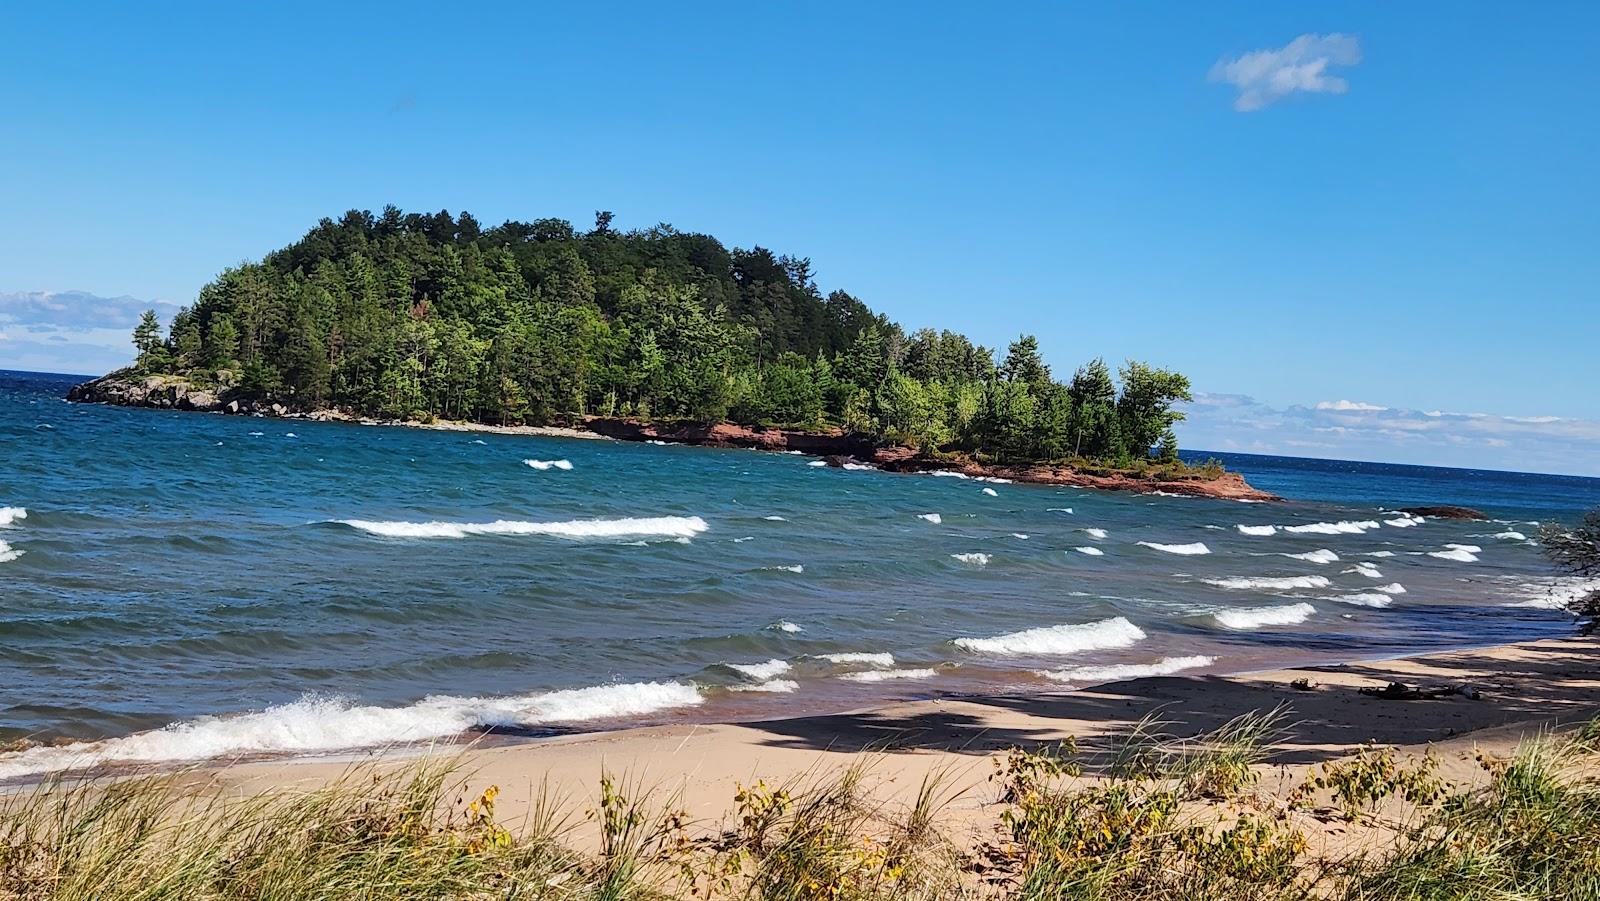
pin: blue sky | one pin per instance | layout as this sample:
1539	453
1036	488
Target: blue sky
1400	209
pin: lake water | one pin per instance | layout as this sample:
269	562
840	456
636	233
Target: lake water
176	586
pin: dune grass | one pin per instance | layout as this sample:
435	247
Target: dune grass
1152	816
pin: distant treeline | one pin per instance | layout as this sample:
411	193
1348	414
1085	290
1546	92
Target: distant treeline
416	315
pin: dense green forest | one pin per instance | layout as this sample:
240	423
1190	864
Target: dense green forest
417	316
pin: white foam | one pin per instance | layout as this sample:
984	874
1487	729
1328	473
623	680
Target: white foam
884	675
1065	639
818	463
1469	548
1058	509
1256	530
762	671
1391	588
1457	554
1019	535
9	553
654	526
1185	549
1405	522
314	724
1378	554
795	568
857	657
949	474
996	480
1362	599
858	466
781	686
1256	617
1363	568
1555	592
542	465
1270	583
784	625
931	517
290	435
1321	555
1333	528
1507	536
9	515
744	539
1091	551
1095	533
474	441
991	492
774	519
975	559
1117	672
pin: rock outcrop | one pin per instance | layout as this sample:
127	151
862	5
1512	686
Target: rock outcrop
1447	511
162	391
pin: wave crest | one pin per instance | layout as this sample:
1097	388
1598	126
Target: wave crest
542	465
1256	617
1195	548
9	515
1118	672
1269	583
1072	638
652	526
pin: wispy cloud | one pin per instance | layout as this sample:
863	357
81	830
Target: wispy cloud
1266	76
70	331
1366	431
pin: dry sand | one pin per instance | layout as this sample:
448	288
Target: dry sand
1521	689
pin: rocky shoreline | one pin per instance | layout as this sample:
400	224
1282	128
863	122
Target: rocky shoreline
834	445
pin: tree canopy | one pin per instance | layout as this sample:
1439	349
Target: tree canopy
419	315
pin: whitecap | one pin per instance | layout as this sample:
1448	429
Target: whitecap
1117	672
290	435
9	515
1270	583
991	492
479	441
1019	535
818	463
1058	509
1333	528
1321	555
784	625
9	553
859	657
995	480
774	519
949	474
744	539
1378	554
257	434
1555	592
1362	599
975	559
1457	554
762	671
931	517
315	724
1256	617
655	526
542	465
794	568
780	686
884	675
1091	551
1095	533
1364	568
858	466
1256	530
1185	549
1405	522
1391	588
1507	536
1469	548
1071	638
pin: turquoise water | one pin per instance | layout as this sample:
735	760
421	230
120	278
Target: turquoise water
261	586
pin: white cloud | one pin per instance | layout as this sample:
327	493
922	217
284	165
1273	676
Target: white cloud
1349	406
1365	431
70	331
1266	76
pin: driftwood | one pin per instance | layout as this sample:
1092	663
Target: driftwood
1399	691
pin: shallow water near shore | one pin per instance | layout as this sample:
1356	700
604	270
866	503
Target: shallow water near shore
179	586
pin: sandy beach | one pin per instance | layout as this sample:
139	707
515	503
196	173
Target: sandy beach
1508	692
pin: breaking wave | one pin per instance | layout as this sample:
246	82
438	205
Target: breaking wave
1116	632
1362	599
9	553
931	517
884	675
856	657
762	671
9	515
320	724
1391	588
1507	536
1117	672
784	625
1555	592
1197	547
976	559
1257	530
542	465
654	526
1461	553
1095	533
1333	528
1270	583
1256	617
1322	555
781	686
1363	568
990	492
1091	551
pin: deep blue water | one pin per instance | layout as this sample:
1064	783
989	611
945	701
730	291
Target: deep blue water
282	585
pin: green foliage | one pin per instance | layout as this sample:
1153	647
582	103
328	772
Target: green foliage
412	315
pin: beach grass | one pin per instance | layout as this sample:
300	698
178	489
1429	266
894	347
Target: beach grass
1151	815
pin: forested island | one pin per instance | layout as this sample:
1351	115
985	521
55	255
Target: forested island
417	317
